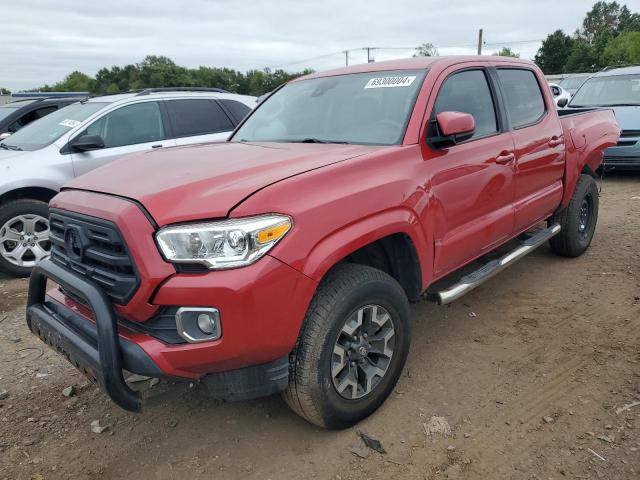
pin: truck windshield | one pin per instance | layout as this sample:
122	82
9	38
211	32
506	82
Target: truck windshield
48	129
614	90
361	108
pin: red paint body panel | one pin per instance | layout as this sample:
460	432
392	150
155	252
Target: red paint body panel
257	325
137	232
453	203
586	137
205	181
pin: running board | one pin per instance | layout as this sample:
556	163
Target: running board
484	273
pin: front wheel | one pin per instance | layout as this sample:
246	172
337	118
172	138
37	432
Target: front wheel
352	348
24	236
578	220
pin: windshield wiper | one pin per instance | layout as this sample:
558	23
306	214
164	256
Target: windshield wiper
317	140
630	104
9	147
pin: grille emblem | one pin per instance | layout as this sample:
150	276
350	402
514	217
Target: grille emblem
73	243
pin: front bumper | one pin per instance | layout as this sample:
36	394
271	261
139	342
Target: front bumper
101	353
261	308
621	162
95	349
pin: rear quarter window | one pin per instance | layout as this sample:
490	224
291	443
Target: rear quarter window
238	109
523	97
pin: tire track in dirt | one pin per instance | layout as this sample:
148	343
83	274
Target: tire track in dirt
538	400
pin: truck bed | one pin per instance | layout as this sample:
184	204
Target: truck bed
587	133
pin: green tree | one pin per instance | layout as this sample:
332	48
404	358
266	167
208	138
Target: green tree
554	52
623	49
604	17
629	22
506	52
74	82
5	91
426	50
582	59
156	72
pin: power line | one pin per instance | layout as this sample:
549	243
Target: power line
370	49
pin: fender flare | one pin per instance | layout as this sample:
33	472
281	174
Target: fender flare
346	240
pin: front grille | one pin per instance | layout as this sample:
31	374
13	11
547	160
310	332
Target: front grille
628	138
94	248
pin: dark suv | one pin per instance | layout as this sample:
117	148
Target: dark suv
15	115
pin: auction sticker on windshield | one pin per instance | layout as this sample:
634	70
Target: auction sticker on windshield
70	123
390	82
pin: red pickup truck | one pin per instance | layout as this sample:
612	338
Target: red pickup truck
285	259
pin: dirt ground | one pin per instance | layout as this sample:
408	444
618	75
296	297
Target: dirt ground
529	372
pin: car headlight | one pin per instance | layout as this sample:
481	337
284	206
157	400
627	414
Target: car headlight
224	244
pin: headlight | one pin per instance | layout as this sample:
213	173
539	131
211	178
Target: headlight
224	244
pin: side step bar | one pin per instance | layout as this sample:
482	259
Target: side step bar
484	273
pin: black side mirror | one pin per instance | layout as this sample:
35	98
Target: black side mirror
85	143
563	102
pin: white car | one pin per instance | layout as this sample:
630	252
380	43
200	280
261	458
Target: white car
560	95
37	160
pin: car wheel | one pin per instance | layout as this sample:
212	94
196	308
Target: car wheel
24	236
352	347
578	220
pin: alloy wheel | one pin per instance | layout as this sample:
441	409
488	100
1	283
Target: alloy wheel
362	352
24	240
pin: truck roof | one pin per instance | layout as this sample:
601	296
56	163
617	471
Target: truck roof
415	63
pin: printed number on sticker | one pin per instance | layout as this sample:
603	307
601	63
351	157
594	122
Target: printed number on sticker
390	82
69	123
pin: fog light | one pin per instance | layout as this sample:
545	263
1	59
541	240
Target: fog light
206	323
198	324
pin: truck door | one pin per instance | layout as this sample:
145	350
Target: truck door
472	183
539	145
132	128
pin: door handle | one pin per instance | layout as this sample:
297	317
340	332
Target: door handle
159	145
505	157
555	141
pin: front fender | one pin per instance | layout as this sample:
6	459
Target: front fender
39	169
346	240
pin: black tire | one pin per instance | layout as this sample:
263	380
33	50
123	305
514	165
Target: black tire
345	290
577	231
9	211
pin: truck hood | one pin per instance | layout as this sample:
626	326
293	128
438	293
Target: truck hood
206	181
628	117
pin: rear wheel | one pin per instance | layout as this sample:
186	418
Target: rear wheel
352	347
578	220
24	236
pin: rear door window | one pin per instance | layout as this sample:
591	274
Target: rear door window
468	92
197	117
523	97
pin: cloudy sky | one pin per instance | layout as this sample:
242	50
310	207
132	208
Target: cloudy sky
43	40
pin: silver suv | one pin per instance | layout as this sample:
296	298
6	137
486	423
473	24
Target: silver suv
37	160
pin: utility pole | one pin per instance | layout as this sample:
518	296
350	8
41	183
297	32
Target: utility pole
346	58
368	49
480	42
